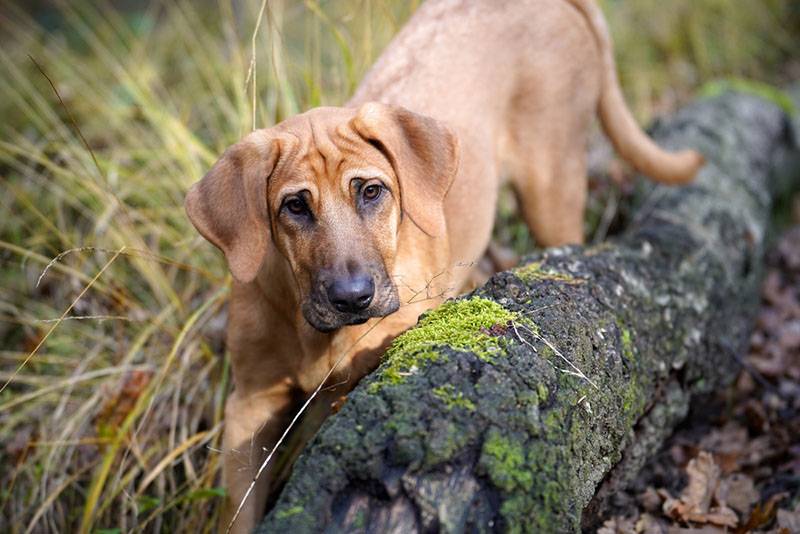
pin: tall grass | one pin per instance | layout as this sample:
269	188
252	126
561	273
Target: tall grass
667	49
111	365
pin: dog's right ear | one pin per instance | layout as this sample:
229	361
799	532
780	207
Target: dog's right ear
228	206
423	153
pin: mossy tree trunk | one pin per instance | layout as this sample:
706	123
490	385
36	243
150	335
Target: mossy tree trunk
521	406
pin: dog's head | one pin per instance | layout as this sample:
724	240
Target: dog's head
330	188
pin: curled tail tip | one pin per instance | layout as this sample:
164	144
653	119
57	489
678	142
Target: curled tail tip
677	168
694	162
685	166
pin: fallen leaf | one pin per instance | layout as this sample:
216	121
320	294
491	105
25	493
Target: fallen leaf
737	491
745	384
707	529
789	247
789	520
694	504
618	525
758	450
757	417
771	361
649	499
728	444
789	333
120	403
703	479
772	291
648	524
762	514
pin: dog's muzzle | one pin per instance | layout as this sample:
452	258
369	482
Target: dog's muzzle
350	300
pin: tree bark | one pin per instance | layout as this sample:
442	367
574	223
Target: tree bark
540	394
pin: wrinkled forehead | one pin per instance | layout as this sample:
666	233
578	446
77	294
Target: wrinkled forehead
324	145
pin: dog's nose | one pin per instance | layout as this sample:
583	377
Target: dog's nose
352	294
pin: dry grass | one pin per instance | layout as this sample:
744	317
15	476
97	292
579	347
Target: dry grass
111	369
667	49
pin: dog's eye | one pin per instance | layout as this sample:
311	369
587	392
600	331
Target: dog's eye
371	192
295	206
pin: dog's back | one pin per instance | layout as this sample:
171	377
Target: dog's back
486	56
520	81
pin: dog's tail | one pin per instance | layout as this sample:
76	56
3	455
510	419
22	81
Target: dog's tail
618	122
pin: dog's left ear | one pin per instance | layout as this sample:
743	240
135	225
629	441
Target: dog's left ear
424	155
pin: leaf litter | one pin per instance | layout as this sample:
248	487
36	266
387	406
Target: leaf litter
734	465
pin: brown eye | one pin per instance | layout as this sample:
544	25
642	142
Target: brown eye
295	206
371	192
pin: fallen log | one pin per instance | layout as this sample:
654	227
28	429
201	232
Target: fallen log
523	405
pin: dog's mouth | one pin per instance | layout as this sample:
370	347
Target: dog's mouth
324	317
357	320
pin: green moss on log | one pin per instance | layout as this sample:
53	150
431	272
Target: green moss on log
763	90
460	324
452	398
535	271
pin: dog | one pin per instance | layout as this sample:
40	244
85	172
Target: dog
342	225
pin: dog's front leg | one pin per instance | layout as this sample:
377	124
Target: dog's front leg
253	424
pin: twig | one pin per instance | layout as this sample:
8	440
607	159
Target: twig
87	318
134	252
63	316
252	70
86	144
607	218
576	371
69	114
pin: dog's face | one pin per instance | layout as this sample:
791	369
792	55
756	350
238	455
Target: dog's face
330	189
335	212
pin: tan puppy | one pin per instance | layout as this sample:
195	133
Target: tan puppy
341	219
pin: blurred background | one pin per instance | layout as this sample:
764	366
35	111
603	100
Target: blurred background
111	305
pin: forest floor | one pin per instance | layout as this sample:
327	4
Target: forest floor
734	464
